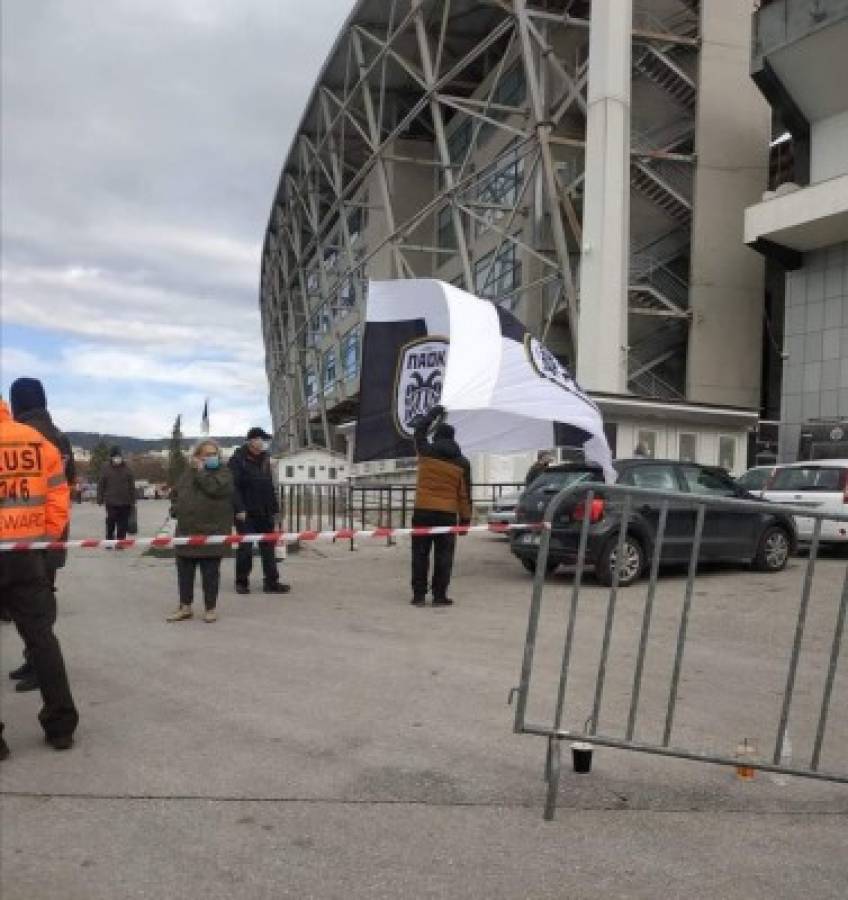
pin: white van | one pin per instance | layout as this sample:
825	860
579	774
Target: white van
820	484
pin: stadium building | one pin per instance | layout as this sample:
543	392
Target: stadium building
586	165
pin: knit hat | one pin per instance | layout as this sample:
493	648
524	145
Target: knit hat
27	394
444	432
114	450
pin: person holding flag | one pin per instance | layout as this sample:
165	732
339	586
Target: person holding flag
442	495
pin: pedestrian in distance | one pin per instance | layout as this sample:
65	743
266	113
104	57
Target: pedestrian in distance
202	503
29	407
36	504
442	496
544	459
256	506
116	491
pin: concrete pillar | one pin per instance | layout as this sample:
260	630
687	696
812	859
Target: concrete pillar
605	260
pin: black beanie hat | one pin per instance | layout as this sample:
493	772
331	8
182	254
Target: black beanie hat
114	450
444	432
27	394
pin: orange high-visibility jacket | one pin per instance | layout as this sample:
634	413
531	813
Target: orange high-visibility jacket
34	495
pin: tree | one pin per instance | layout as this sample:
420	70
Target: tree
99	458
176	460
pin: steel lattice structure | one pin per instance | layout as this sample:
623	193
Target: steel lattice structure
445	138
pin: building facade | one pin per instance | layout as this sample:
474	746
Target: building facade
800	63
583	164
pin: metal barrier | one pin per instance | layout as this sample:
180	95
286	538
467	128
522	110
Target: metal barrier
624	738
330	506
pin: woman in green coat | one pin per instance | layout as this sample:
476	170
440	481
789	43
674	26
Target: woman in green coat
202	503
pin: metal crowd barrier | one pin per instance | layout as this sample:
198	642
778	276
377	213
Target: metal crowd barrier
624	738
331	506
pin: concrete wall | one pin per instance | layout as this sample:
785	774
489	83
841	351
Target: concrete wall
733	127
829	150
815	374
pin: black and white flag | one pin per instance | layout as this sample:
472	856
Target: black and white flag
427	342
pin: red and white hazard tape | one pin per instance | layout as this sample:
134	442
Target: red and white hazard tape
271	537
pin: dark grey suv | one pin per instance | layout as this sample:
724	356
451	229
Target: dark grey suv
764	540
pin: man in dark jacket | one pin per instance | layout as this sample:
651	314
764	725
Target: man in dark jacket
116	491
29	407
256	505
442	495
544	458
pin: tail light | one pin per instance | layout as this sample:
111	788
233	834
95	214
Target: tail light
596	511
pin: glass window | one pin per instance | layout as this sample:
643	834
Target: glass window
687	447
708	481
310	387
329	367
446	235
289	471
331	473
657	478
347	297
509	91
646	444
809	478
553	481
755	479
350	354
498	277
459	142
311	472
499	188
727	452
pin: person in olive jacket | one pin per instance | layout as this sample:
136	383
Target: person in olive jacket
202	503
116	491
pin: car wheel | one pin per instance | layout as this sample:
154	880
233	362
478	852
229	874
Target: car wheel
530	566
634	561
773	550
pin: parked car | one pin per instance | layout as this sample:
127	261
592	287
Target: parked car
821	485
755	480
764	540
503	510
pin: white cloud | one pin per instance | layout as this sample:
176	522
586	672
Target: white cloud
142	145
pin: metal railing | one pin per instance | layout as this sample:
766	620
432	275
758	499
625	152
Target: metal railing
629	500
314	506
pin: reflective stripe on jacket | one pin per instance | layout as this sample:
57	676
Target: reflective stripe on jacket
34	495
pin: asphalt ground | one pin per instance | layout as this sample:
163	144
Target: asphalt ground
337	742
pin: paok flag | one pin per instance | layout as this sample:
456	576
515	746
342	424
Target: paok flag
427	342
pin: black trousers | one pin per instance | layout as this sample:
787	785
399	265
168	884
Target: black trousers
210	578
32	604
117	519
255	524
443	546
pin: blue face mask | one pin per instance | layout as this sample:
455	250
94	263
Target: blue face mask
212	462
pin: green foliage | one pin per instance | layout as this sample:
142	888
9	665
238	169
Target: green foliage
99	458
176	460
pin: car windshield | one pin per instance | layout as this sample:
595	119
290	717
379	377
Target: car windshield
754	479
808	478
556	481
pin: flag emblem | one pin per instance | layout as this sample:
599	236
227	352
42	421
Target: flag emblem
420	378
548	366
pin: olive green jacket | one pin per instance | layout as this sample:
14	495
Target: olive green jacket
202	503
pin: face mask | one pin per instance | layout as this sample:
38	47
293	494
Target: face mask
117	460
211	462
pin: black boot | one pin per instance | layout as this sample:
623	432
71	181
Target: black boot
242	588
30	683
277	588
23	671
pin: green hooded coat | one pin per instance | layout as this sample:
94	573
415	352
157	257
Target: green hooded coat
202	503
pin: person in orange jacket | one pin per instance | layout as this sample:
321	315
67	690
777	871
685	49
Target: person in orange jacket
34	506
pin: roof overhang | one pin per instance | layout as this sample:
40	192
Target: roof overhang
703	414
806	219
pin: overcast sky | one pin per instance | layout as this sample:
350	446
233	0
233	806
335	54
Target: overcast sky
142	141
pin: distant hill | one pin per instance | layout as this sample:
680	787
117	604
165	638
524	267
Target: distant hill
88	440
